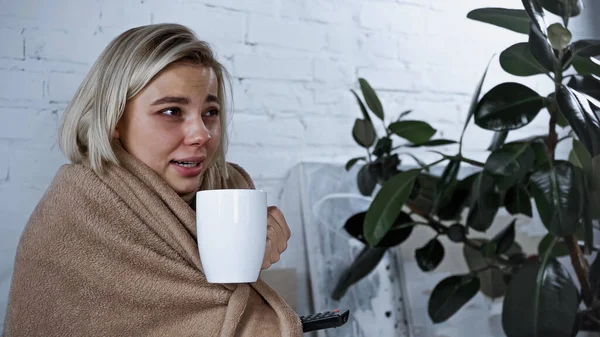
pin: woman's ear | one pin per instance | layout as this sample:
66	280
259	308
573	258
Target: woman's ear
116	132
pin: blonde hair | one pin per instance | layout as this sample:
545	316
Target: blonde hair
124	68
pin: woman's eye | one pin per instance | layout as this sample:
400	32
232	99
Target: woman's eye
212	113
171	112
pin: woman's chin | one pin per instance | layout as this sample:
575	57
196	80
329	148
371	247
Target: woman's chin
185	187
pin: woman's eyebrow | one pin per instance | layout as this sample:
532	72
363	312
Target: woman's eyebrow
212	98
171	99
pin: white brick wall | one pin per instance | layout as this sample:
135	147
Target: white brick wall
293	63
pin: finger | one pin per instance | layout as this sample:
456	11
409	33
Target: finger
281	227
274	233
278	242
267	257
278	216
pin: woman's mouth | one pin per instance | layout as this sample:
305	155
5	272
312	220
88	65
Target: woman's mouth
188	167
186	164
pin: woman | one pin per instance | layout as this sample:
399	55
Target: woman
110	250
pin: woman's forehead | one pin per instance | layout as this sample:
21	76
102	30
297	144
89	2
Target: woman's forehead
184	80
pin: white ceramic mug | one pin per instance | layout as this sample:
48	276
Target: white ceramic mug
232	234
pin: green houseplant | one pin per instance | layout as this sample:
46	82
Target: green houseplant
537	289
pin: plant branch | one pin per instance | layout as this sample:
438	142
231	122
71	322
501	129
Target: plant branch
435	162
581	267
470	161
563	138
579	263
591	308
461	158
489	266
472	244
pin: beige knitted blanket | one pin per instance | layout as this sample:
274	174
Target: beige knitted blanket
116	255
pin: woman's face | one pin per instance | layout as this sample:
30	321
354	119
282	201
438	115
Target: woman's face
173	124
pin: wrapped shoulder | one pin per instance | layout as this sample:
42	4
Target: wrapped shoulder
238	177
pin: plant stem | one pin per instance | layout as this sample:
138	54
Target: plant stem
472	244
579	263
435	163
489	266
552	139
438	227
563	138
470	161
581	267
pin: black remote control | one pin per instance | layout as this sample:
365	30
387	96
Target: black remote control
324	320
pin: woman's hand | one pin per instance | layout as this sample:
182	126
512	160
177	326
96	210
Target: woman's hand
278	234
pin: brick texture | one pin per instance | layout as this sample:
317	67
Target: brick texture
293	63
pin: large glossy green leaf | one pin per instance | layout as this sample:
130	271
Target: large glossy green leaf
364	111
588	222
518	60
594	277
498	140
403	114
446	185
451	294
567	59
383	145
453	207
353	161
558	193
558	7
559	36
577	110
457	233
586	65
580	157
371	98
354	226
418	161
593	189
518	201
541	154
505	238
363	133
387	205
383	168
434	142
559	249
430	256
492	280
510	163
364	263
560	119
513	19
586	84
366	181
586	48
416	132
485	201
541	300
536	14
541	50
399	232
474	100
508	106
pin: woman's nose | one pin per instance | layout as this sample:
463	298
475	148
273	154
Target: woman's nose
197	133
